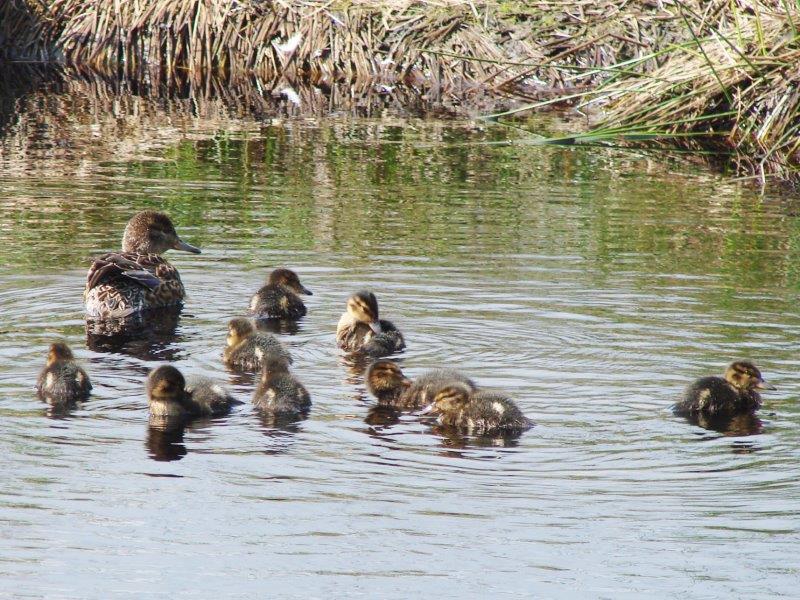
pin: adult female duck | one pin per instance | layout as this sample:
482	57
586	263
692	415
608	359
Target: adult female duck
120	284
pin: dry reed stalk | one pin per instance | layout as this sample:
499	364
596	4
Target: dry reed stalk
737	86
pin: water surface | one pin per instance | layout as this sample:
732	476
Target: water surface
591	284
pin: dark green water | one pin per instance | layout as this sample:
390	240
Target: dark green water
591	284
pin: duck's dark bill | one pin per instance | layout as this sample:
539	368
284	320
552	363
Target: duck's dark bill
763	385
181	245
306	291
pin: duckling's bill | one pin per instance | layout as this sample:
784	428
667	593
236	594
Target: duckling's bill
764	385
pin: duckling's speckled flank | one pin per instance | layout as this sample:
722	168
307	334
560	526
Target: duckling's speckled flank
735	394
247	347
170	395
279	392
120	284
361	330
479	412
62	380
386	381
278	299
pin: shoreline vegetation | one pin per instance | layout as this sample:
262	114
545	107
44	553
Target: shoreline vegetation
718	75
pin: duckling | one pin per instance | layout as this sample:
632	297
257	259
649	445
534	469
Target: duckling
120	284
247	347
278	299
62	380
170	395
735	394
386	381
279	392
479	412
360	329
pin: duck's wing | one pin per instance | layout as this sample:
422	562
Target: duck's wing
146	270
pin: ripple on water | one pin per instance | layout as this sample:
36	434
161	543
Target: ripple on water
589	289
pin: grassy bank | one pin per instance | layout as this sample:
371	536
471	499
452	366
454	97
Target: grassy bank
718	74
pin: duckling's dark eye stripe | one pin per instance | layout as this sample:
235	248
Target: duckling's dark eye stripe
362	306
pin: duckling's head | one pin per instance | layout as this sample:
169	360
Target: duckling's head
745	375
384	377
450	398
288	278
238	329
165	384
151	232
273	364
58	351
363	307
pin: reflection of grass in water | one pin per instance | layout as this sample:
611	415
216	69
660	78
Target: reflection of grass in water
371	187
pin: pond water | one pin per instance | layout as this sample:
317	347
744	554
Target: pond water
590	283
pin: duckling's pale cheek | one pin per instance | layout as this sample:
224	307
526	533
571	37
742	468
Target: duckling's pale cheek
499	408
49	379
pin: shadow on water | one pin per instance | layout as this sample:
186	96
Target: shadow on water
382	416
164	440
148	335
58	410
278	326
456	439
728	425
280	431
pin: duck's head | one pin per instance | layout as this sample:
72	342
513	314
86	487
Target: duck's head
58	351
238	329
450	398
165	384
289	279
151	232
745	375
385	377
273	364
363	307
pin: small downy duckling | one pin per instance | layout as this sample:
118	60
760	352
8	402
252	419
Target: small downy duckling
361	330
62	380
478	412
278	391
247	347
386	381
169	395
279	299
120	284
734	394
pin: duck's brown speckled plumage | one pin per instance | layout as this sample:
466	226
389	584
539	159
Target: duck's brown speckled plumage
120	284
361	330
478	412
62	380
247	348
279	299
734	394
279	392
386	381
169	395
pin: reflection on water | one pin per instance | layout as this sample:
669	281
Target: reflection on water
148	335
591	284
164	441
730	425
